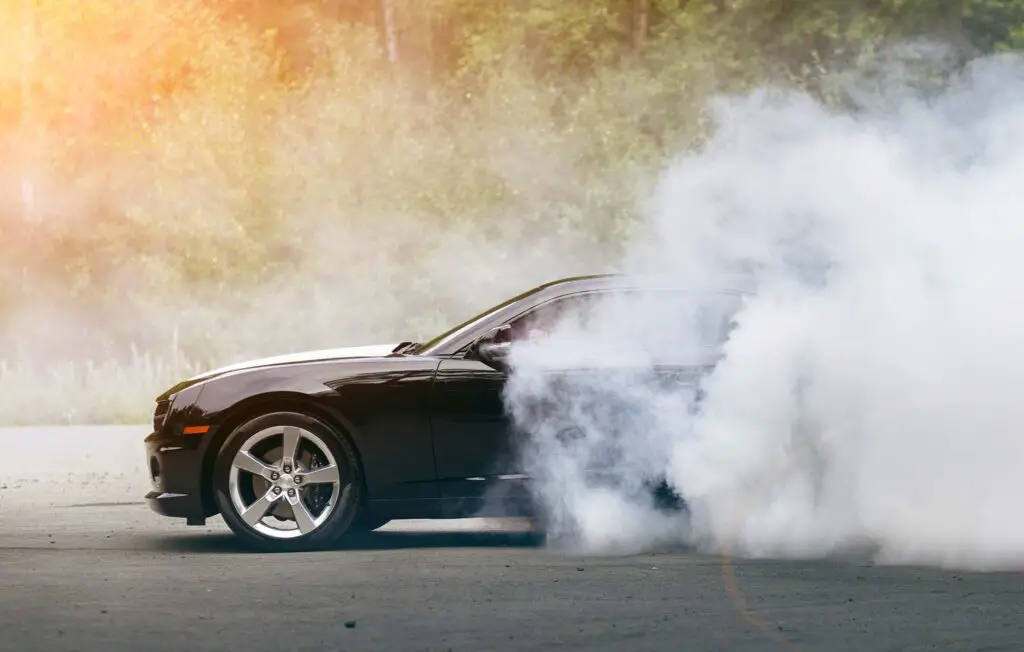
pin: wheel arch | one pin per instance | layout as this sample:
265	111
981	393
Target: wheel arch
256	406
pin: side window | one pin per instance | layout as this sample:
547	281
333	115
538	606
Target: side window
707	318
535	325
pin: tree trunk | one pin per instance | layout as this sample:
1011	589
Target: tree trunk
31	127
952	29
390	32
427	30
641	21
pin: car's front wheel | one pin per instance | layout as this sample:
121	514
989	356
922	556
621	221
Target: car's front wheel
287	481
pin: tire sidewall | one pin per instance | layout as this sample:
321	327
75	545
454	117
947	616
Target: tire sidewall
344	455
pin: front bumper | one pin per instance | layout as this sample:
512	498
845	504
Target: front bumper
175	471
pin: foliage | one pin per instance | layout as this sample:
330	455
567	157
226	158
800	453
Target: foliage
206	180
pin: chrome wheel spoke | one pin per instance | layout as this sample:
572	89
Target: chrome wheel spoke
303	519
272	464
323	475
290	447
246	461
255	512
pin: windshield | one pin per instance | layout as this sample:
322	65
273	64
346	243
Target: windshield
709	314
458	331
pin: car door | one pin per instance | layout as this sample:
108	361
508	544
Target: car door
472	447
473	443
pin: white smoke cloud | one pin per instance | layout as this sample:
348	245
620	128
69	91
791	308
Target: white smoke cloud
869	394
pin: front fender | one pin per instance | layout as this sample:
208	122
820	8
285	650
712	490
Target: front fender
382	405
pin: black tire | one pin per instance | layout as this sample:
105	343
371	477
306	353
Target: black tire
555	534
339	520
665	499
566	532
365	522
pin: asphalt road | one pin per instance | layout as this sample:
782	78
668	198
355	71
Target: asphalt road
94	570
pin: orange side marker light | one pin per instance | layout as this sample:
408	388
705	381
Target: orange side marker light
195	430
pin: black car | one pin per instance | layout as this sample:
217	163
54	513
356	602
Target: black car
297	450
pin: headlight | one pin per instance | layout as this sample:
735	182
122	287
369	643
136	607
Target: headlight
163	407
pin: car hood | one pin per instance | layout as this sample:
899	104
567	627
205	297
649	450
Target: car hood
371	351
322	355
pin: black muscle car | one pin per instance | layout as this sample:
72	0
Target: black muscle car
296	450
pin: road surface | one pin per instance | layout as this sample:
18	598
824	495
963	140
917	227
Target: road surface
85	566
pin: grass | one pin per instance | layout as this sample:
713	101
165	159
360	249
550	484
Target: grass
85	392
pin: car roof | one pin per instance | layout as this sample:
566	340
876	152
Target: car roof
618	281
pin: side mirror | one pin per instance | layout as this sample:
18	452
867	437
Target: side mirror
493	346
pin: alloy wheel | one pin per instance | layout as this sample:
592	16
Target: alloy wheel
284	482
